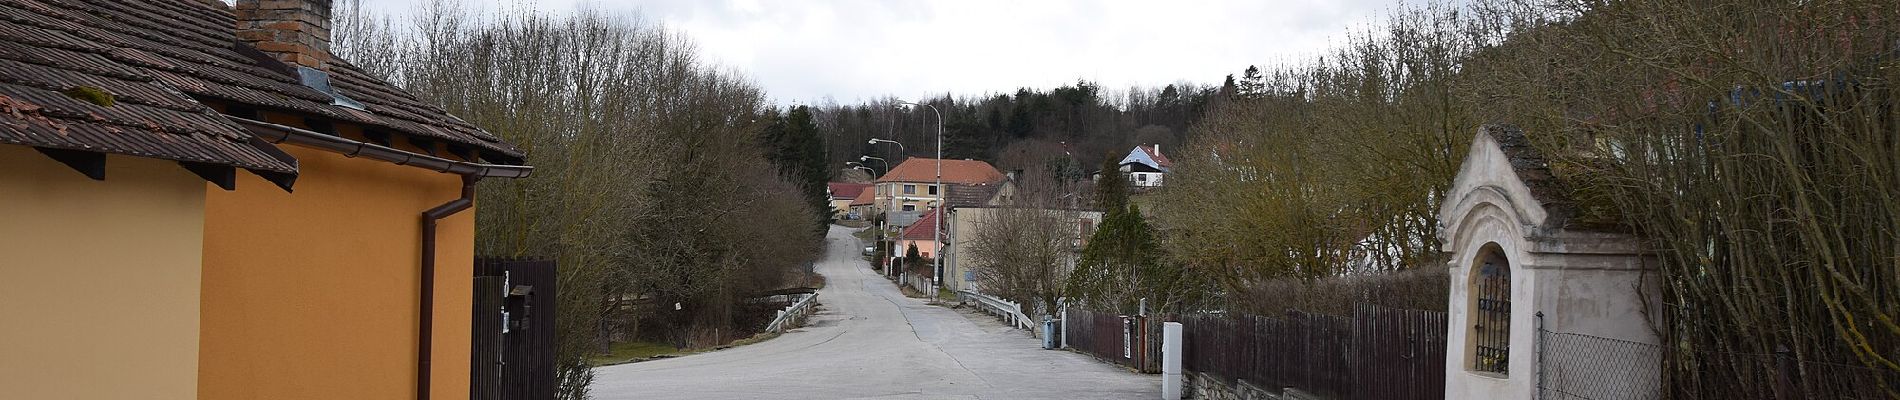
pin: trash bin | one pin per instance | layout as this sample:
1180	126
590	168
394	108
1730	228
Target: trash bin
1048	333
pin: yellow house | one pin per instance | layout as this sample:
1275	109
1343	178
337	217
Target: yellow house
103	239
842	195
911	187
154	284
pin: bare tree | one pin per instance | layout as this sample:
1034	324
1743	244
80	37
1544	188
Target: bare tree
650	182
1024	250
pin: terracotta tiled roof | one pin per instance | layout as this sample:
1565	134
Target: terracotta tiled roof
924	170
845	190
161	55
921	229
865	197
120	55
1154	152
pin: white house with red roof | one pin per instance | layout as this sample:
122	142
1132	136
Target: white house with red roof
1145	165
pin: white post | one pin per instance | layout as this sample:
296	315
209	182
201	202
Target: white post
1064	306
1171	361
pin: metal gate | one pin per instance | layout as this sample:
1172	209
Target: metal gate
512	330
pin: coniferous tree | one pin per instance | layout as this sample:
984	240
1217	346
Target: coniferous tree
798	149
1111	187
1122	264
912	258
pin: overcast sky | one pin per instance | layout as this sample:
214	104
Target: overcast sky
853	50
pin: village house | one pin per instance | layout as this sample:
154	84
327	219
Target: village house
1145	166
865	203
918	235
908	190
338	265
964	224
841	195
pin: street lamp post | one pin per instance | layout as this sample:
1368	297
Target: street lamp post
893	196
887	211
936	245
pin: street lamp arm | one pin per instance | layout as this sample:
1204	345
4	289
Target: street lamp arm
900	146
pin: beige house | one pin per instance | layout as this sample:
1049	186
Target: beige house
911	187
963	224
841	195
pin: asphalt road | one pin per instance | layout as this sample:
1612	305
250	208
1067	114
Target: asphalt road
870	342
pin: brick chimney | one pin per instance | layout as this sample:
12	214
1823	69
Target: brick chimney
297	32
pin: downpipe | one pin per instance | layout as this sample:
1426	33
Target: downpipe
471	173
425	335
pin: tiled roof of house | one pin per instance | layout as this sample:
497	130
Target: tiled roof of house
1154	152
102	76
845	190
1149	155
921	229
924	170
865	197
158	58
970	195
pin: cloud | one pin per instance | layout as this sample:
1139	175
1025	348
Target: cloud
853	50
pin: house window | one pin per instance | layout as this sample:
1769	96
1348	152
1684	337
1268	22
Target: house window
1490	335
910	189
910	207
933	190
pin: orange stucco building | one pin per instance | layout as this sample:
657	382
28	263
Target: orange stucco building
327	276
199	201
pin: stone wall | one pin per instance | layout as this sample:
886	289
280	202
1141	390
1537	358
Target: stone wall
1208	387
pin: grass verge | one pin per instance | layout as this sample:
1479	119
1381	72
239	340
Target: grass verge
633	352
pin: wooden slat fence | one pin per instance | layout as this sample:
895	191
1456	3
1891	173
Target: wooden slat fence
1377	353
1398	354
513	330
1102	335
485	339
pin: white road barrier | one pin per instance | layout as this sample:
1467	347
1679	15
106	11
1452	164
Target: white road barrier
797	311
1011	312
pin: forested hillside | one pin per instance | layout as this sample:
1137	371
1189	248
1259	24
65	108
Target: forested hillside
1021	130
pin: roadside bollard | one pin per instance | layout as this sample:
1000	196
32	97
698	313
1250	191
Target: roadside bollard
1171	361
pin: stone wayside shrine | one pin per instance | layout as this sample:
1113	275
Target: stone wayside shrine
1517	248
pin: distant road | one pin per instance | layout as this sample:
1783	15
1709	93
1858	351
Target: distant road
870	342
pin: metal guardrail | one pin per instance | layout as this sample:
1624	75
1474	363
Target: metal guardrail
1011	312
798	310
